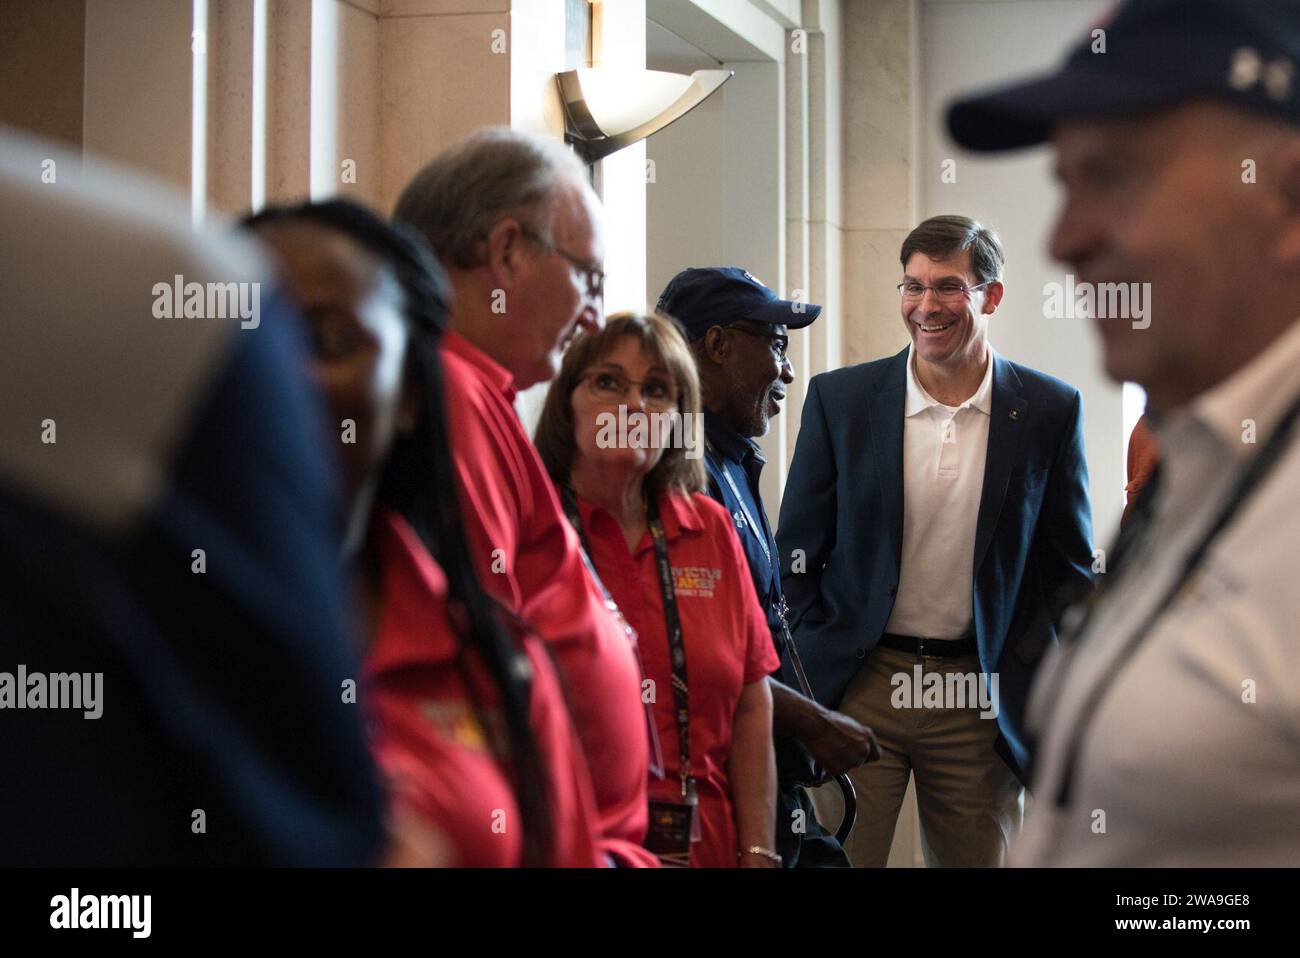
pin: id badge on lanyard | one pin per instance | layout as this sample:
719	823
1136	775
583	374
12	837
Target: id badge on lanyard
570	501
674	826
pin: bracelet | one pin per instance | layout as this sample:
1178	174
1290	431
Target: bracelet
760	850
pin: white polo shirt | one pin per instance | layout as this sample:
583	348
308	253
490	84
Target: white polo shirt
1192	756
944	449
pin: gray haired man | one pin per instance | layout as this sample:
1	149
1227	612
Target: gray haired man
518	229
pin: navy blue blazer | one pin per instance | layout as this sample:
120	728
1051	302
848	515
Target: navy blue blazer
841	526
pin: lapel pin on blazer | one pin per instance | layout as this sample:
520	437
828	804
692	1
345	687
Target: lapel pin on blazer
1015	414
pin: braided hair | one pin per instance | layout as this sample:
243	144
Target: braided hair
418	482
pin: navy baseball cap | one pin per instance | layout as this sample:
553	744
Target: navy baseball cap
1147	55
703	297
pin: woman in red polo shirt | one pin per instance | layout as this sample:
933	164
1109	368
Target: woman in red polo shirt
631	481
469	723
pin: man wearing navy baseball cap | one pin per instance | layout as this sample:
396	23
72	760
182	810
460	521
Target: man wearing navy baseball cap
1167	719
739	331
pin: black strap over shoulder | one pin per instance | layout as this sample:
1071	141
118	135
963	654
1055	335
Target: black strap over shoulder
676	646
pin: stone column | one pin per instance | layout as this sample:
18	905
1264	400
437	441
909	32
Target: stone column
878	162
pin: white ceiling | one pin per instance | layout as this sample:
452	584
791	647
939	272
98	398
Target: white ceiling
665	50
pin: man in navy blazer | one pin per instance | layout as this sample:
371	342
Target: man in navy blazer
935	519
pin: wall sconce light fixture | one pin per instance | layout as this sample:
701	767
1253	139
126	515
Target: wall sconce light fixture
607	108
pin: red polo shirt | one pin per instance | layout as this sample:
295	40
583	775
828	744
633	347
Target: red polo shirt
529	558
428	737
727	641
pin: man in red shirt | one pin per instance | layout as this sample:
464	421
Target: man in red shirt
518	229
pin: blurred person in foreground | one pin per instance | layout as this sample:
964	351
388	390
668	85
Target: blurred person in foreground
166	524
518	229
1143	455
672	562
1167	725
470	723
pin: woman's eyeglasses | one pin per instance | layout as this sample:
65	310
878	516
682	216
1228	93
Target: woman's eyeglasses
657	395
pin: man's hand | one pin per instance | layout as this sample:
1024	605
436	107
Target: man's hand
838	743
833	740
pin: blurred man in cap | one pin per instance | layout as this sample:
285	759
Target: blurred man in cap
1167	726
739	332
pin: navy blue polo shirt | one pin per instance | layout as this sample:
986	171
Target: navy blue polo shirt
734	455
730	453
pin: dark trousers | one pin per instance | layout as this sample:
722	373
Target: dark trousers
800	839
814	847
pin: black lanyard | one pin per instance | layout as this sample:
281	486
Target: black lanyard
676	648
1243	488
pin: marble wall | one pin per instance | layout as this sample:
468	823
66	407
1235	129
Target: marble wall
42	51
878	151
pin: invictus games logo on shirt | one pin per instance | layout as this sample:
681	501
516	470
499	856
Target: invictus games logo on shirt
945	690
56	690
696	581
182	300
458	723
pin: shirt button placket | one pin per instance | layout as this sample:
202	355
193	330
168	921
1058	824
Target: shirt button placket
948	448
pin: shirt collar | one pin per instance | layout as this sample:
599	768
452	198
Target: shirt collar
678	513
1260	391
496	374
729	443
413	628
918	400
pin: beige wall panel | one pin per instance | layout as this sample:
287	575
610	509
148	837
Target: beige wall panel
230	105
42	48
288	100
440	81
358	102
137	73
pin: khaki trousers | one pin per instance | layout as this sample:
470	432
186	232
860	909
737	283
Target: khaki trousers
967	797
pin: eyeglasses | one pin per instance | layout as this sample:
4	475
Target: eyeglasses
947	292
592	276
780	344
657	395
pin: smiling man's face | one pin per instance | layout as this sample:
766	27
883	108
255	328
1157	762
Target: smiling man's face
758	372
948	331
